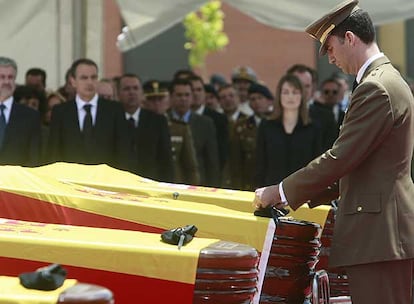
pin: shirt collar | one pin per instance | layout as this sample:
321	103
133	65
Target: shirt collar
257	120
365	66
80	103
200	110
185	117
134	115
235	115
8	103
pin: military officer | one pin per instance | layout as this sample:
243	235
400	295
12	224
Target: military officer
182	145
245	130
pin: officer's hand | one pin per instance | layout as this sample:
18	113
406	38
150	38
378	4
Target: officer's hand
267	196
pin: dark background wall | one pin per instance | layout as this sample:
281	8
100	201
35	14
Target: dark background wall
409	34
158	58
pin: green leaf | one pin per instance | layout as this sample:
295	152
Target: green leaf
204	32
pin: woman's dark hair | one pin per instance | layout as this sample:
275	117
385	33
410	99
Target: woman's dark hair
303	108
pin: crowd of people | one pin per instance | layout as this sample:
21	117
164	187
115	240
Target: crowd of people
218	133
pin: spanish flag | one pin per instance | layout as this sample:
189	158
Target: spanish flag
136	266
103	197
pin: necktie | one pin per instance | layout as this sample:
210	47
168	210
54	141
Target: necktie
354	85
2	124
131	129
87	129
131	122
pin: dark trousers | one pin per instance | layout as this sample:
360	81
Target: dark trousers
385	282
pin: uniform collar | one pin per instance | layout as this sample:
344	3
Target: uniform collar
365	66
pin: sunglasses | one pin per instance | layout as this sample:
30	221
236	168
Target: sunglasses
333	92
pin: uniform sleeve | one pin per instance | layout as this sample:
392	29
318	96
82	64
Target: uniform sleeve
367	123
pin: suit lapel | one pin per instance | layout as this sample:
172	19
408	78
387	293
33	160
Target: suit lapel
70	118
142	130
14	121
100	115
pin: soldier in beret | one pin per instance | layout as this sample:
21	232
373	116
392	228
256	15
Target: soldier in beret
374	229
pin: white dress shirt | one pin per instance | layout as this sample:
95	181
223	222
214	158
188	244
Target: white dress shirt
81	111
134	115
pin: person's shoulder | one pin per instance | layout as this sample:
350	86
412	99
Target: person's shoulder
270	122
177	126
270	126
245	121
202	119
311	127
318	106
109	102
66	104
176	122
214	113
25	110
154	117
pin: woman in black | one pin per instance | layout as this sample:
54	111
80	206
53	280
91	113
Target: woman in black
289	140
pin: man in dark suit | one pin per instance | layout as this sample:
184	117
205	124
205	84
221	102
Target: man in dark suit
88	129
371	159
19	124
330	89
220	120
151	145
202	129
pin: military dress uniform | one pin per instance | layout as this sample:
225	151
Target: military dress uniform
374	227
231	171
245	131
184	156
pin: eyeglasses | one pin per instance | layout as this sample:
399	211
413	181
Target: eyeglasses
333	92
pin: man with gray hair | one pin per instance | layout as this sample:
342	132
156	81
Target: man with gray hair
19	124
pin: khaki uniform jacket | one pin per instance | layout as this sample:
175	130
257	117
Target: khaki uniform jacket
184	156
371	159
231	170
244	156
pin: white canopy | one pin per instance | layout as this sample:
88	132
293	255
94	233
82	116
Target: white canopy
49	34
147	18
